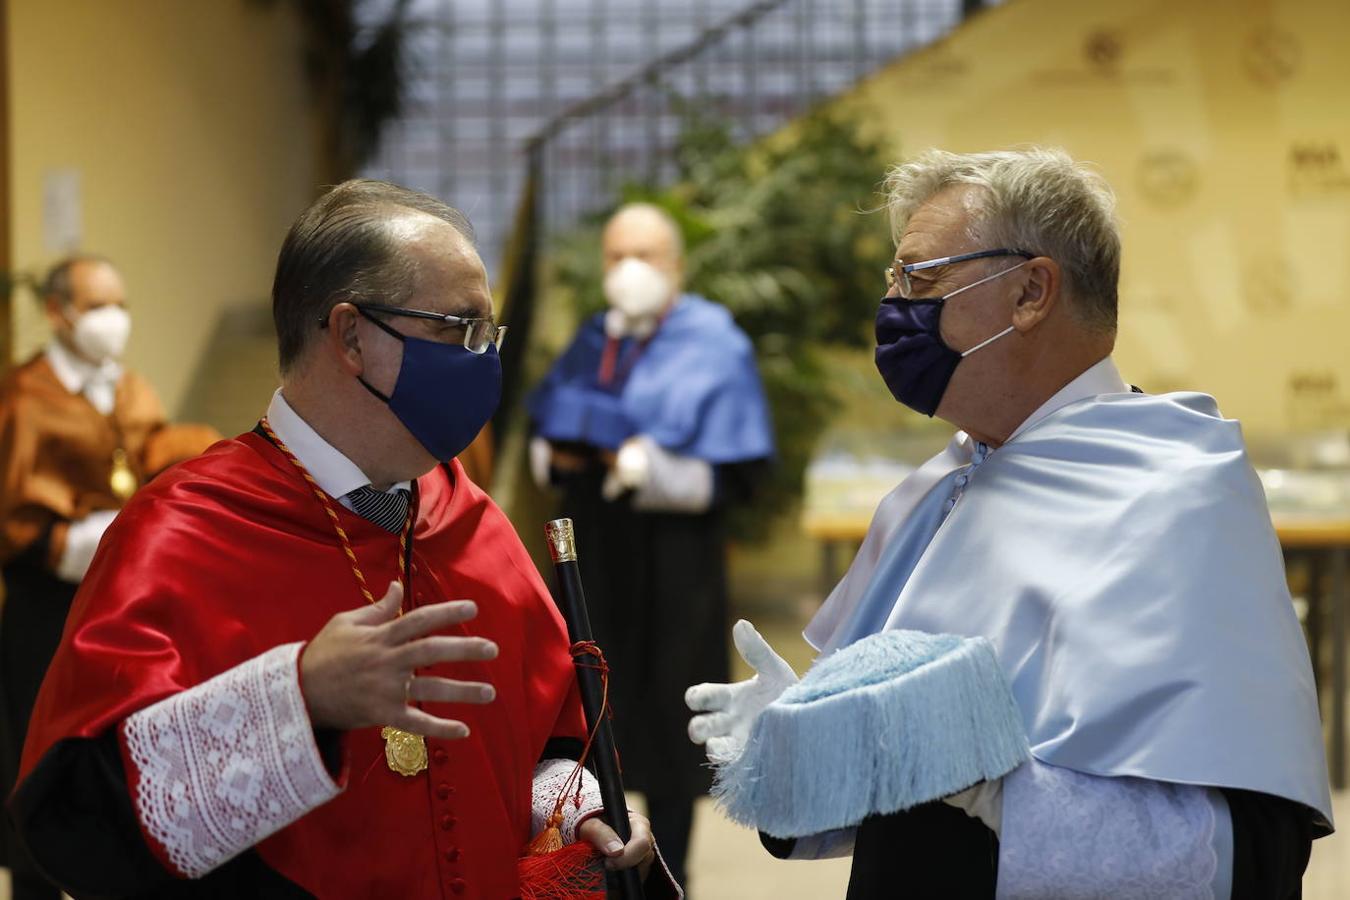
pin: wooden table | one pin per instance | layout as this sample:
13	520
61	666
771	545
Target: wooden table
1323	541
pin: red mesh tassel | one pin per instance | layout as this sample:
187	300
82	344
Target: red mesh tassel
573	873
550	871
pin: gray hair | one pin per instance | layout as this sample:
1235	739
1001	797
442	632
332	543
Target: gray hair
58	283
1036	199
346	245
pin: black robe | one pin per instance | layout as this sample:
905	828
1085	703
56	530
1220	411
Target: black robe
35	606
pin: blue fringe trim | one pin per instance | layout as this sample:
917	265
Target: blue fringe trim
894	720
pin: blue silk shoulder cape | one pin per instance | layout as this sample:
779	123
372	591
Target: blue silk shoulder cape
693	389
1120	556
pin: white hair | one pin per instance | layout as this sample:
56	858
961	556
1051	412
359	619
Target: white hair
1036	199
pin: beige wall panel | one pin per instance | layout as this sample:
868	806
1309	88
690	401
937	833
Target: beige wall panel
188	124
1225	131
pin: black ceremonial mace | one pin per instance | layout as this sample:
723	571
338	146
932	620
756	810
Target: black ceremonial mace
571	600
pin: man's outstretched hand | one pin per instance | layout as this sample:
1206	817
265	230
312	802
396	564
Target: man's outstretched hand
360	669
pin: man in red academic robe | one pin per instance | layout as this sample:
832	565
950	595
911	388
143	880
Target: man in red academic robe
235	703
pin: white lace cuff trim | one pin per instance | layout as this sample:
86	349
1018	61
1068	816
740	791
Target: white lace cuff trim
549	778
222	765
1071	835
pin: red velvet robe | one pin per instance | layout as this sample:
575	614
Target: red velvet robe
231	554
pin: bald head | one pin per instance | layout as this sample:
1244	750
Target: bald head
646	232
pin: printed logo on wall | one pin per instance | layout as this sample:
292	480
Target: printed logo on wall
1314	401
1104	59
1103	50
1271	57
1168	178
1316	168
1269	287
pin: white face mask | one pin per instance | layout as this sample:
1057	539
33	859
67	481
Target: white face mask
101	334
637	289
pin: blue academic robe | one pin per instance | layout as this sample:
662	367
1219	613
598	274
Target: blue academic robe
656	581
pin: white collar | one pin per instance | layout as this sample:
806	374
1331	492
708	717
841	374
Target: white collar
1101	378
75	372
335	473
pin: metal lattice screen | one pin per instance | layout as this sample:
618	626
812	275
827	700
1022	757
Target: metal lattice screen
593	81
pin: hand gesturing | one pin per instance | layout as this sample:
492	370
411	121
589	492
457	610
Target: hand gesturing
359	670
729	710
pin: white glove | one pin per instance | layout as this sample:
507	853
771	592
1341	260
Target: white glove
729	710
81	541
984	801
541	461
632	466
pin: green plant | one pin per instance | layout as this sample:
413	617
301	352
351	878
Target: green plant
780	233
357	60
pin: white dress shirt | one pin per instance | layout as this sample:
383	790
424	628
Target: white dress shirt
1101	378
335	473
98	383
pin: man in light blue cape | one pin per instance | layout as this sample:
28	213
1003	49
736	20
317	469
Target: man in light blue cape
652	423
1114	547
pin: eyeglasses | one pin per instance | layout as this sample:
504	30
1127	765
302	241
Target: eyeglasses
899	270
479	333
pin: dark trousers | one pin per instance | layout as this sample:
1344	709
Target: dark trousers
31	621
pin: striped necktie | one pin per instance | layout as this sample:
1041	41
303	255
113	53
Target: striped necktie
387	509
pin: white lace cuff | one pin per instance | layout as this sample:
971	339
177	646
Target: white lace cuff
549	778
220	766
1070	835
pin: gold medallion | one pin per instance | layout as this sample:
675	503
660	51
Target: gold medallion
405	752
122	481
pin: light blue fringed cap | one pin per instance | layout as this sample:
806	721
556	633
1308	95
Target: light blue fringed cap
894	720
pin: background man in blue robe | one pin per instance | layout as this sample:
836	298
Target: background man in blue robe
652	423
1114	547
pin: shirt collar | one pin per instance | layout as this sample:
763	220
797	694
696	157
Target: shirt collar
335	473
1101	378
75	373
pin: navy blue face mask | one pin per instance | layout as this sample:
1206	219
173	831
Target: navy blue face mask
445	393
913	359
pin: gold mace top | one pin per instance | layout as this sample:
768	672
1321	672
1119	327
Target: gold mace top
562	540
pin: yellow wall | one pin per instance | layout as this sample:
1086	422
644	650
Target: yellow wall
189	126
1225	131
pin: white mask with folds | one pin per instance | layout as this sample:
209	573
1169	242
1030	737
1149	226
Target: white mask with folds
637	289
101	334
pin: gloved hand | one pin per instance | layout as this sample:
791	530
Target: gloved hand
81	541
632	466
729	710
984	801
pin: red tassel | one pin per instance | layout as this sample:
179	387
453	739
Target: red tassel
575	872
550	871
